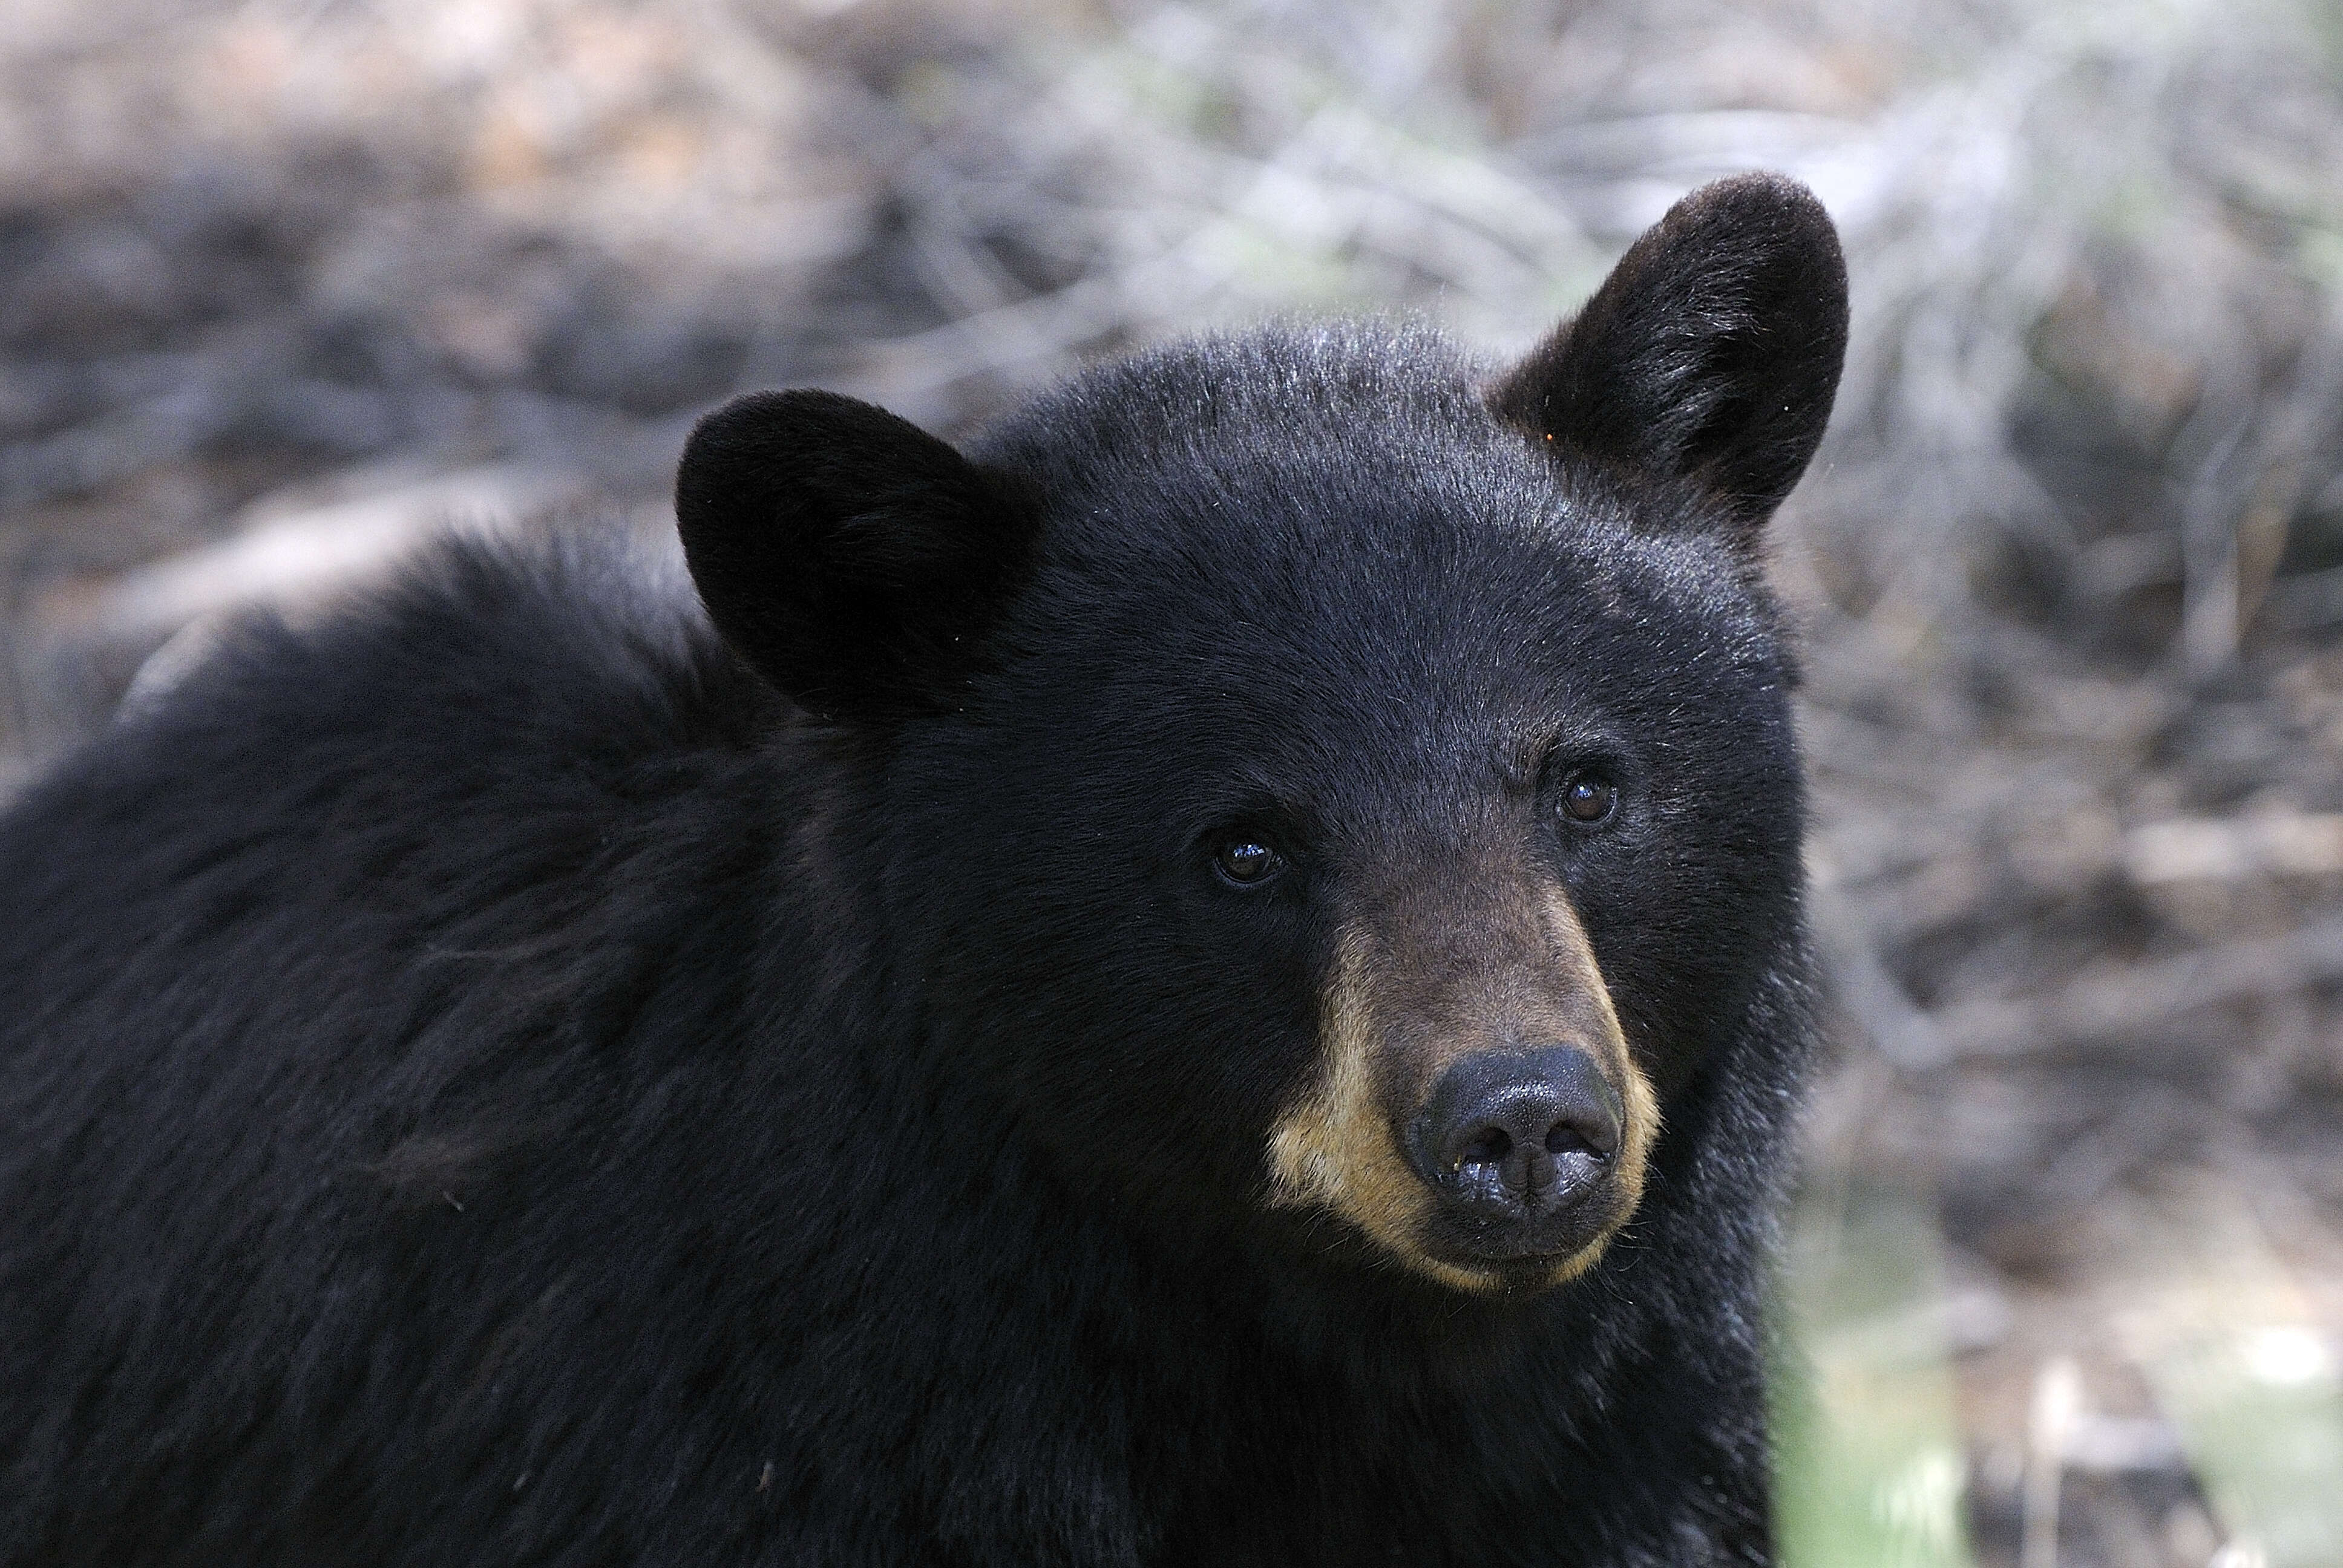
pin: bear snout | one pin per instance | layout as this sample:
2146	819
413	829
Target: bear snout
1515	1145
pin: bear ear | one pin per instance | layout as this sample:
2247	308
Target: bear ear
853	559
1709	356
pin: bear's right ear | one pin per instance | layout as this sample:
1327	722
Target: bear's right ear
1710	356
852	558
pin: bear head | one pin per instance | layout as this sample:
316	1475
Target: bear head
1322	790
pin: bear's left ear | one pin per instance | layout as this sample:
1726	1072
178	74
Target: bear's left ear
853	559
1709	355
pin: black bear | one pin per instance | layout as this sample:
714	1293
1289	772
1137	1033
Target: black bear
1219	979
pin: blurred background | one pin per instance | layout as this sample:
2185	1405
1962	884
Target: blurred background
287	285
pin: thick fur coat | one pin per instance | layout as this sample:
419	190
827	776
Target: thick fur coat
906	1054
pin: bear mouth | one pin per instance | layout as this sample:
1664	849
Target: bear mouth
1477	1226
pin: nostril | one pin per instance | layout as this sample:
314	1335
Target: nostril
1489	1149
1564	1138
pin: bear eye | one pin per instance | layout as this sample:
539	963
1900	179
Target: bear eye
1243	858
1588	797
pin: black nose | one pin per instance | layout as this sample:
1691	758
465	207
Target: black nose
1515	1134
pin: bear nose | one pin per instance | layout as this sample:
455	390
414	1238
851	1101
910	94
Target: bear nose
1518	1131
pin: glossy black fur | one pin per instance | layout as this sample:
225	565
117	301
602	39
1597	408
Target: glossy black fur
1699	358
493	1080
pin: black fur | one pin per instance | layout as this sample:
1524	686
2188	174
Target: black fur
848	555
1709	356
494	1081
